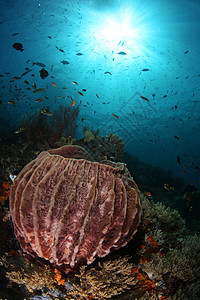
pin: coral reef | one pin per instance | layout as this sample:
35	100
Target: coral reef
109	147
166	266
66	141
35	279
88	136
68	209
108	279
163	255
170	256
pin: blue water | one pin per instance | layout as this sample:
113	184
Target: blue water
150	49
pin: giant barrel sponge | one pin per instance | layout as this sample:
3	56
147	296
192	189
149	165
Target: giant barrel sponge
68	209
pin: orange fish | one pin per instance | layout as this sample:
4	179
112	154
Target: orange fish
184	171
148	195
54	84
116	116
73	102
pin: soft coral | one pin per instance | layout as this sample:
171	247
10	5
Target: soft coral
4	191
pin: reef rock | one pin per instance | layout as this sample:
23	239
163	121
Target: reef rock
68	209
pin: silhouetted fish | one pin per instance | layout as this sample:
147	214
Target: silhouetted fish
61	50
39	64
43	73
122	53
18	46
64	62
26	72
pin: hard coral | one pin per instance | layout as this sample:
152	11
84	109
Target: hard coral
68	209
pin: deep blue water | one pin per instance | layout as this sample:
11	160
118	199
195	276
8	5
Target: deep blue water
129	49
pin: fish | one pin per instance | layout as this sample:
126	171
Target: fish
16	78
79	54
80	93
25	81
46	112
26	72
39	90
61	50
176	137
142	97
165	96
195	166
34	85
49	37
82	119
107	73
97	95
15	33
73	102
84	90
20	130
122	53
18	46
145	70
186	52
64	62
178	159
74	82
35	63
167	187
39	100
148	195
116	116
43	73
53	84
184	171
12	102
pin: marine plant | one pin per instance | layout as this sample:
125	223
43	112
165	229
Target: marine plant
37	127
